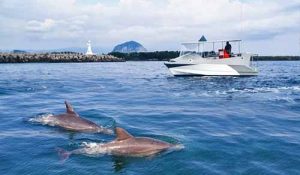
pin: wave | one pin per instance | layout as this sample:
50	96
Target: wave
44	119
240	91
265	89
28	134
276	90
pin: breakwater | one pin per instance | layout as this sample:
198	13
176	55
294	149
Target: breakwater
276	58
55	58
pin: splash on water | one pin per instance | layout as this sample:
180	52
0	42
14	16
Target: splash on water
45	119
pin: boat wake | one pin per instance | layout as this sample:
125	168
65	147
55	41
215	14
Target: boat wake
264	90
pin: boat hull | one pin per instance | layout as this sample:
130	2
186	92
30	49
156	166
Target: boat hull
210	70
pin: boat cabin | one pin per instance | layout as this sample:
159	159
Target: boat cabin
212	49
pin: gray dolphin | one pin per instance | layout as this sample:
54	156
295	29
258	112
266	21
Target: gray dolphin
73	122
124	145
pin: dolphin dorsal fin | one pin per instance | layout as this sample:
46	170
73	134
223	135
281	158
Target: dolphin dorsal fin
69	108
122	134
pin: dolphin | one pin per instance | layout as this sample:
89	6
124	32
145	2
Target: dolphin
73	122
124	145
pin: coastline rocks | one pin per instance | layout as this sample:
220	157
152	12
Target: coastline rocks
276	58
147	56
55	58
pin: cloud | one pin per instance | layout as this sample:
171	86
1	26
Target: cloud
159	24
40	26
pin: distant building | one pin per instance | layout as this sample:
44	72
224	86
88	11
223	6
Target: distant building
19	51
89	49
202	39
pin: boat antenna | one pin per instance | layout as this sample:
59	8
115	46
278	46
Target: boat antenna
299	43
241	18
241	25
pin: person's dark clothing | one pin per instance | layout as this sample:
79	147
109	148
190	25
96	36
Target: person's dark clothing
228	48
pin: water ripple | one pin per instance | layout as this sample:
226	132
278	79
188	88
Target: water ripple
228	125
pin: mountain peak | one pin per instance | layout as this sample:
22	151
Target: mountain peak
129	46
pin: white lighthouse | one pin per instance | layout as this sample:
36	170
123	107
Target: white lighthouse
89	49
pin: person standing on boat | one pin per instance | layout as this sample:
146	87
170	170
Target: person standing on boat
228	48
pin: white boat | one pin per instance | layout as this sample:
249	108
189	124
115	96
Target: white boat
201	59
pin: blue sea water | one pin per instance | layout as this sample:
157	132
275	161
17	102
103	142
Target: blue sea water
228	125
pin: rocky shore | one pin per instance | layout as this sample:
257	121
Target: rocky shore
276	58
55	58
61	57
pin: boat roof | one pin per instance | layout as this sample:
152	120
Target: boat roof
215	41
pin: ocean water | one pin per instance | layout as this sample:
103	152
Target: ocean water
228	125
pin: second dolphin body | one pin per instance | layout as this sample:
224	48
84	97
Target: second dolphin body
124	145
73	122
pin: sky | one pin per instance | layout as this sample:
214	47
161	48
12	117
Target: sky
267	27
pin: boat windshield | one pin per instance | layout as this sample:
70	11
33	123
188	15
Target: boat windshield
210	48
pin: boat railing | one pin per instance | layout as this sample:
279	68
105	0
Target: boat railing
209	49
253	64
207	54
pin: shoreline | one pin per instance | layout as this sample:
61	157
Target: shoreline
55	58
276	58
167	55
72	57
